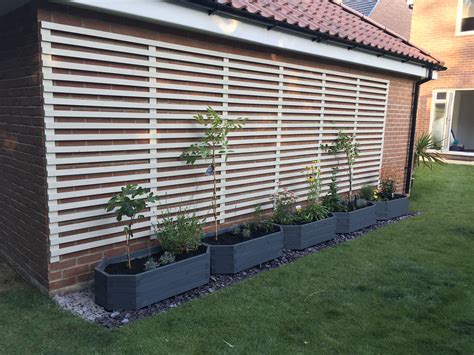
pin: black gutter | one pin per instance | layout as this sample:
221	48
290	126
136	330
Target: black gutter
214	7
411	143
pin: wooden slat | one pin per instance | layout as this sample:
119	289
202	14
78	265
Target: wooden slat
116	113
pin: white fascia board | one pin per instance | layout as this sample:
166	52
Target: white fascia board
176	14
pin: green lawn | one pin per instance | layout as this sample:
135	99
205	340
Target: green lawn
406	288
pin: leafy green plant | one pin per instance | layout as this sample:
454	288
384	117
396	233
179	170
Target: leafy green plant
246	231
256	225
167	258
180	234
130	202
368	193
310	213
387	190
332	200
151	264
213	144
424	152
313	174
260	223
283	201
346	144
236	230
359	203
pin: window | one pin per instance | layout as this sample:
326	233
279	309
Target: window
467	15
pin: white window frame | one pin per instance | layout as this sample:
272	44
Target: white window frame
459	22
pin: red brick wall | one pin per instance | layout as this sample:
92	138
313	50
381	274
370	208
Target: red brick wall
395	15
434	29
76	270
23	220
397	128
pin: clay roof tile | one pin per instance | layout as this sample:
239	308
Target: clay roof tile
336	20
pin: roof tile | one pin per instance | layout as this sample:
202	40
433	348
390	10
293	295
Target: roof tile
365	7
339	21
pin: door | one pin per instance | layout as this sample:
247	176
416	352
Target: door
441	118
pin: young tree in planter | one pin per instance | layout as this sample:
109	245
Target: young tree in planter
213	144
131	201
346	144
332	200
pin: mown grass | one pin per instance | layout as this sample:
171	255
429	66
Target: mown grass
407	288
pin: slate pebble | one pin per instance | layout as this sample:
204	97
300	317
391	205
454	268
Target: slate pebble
82	303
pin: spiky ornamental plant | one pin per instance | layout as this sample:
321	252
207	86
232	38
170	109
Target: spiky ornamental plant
131	201
424	151
212	145
346	144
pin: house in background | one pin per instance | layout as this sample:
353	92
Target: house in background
99	94
446	108
394	14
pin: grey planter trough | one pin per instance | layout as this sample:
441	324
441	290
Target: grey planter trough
348	222
132	292
393	208
231	259
298	237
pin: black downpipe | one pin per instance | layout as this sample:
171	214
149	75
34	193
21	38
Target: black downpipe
411	144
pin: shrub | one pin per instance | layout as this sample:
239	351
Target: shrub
332	201
151	264
387	190
368	193
246	231
167	258
283	201
236	230
310	213
260	223
180	235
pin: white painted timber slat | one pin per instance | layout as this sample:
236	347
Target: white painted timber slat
187	49
148	93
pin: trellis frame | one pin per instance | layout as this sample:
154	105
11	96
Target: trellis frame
292	110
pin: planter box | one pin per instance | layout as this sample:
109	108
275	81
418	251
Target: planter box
124	292
231	259
298	237
348	222
393	208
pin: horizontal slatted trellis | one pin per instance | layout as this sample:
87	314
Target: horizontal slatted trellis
119	109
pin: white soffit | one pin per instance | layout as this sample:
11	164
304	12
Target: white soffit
178	15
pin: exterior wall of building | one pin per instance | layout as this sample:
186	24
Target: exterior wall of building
74	269
434	29
395	15
24	223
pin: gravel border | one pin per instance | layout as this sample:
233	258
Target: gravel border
82	303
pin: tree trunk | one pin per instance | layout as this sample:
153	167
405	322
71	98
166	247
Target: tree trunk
350	183
129	236
214	193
